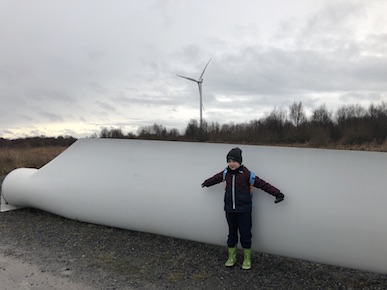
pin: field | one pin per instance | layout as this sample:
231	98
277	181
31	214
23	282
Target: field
12	158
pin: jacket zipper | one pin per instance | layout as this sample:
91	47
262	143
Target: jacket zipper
233	191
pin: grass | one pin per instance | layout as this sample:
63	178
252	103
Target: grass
12	158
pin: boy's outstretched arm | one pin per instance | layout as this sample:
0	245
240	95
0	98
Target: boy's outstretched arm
217	178
267	187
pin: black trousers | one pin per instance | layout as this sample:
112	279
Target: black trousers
239	222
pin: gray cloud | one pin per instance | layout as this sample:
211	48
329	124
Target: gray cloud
51	117
117	62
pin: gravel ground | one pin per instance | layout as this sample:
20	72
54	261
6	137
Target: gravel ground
52	252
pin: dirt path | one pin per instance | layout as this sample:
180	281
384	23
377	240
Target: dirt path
15	274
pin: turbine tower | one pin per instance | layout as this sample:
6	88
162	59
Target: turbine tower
199	82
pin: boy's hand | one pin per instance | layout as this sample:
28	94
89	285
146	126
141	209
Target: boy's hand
279	197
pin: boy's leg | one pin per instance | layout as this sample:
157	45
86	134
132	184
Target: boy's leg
232	240
244	225
232	222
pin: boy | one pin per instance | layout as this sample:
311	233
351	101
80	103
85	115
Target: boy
238	204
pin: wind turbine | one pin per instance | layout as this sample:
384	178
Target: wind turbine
199	82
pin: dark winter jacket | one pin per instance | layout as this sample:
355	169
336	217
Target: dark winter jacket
237	197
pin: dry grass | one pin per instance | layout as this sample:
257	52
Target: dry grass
12	158
367	146
370	146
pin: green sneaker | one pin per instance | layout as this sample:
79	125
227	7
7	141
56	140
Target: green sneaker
231	257
247	259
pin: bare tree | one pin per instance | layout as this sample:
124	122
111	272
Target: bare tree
275	119
104	133
348	113
297	115
322	116
192	130
274	124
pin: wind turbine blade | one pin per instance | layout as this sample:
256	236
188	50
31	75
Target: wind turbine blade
204	70
191	79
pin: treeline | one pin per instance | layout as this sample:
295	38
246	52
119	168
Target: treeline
35	142
349	125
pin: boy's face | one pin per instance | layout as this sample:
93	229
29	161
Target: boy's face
233	164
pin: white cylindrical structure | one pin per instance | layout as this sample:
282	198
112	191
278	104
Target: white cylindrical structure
333	212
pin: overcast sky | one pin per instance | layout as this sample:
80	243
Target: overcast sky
72	67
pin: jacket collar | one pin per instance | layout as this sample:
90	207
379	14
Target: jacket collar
240	168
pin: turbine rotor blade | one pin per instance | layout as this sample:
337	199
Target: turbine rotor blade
200	79
191	79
